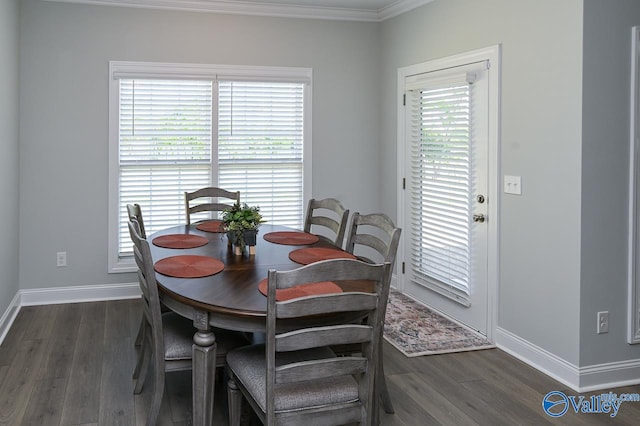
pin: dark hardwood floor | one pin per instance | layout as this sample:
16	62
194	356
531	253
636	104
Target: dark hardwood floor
71	365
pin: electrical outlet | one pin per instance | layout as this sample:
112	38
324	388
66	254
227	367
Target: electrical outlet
603	322
61	258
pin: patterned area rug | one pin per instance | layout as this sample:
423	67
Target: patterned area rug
416	330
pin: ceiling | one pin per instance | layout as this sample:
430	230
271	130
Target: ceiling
351	10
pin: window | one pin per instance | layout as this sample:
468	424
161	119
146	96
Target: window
177	128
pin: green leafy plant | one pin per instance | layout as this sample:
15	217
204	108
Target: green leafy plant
239	219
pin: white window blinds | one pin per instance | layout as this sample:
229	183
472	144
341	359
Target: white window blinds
260	146
441	175
165	139
175	128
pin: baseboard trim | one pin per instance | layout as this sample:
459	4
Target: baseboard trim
580	379
9	316
540	359
58	295
610	375
78	294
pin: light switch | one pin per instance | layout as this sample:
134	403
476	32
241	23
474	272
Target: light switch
513	185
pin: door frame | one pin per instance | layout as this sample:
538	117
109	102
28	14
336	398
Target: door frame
493	55
633	297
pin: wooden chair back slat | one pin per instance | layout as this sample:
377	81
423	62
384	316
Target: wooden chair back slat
330	214
326	304
216	203
330	335
321	369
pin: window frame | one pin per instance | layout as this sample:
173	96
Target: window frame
128	69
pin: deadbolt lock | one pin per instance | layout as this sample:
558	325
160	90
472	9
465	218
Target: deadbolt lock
480	199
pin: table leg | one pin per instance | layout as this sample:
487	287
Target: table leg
203	370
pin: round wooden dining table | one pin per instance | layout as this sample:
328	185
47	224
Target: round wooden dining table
229	299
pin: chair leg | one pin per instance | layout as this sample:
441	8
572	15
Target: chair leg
141	330
142	368
156	397
136	371
384	394
382	386
141	352
234	397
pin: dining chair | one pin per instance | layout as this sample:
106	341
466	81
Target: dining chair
135	213
169	337
374	238
295	378
330	216
215	196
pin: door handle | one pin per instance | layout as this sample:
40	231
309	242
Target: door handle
478	218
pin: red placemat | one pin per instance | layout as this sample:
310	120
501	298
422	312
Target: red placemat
302	290
180	241
211	226
188	266
291	238
309	255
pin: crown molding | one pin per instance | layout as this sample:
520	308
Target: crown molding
265	9
400	7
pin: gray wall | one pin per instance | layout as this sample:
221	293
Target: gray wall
565	126
65	49
605	177
541	118
9	152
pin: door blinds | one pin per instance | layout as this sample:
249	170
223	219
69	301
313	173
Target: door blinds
441	179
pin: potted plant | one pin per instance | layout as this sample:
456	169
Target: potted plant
241	224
